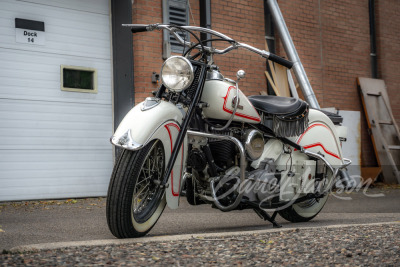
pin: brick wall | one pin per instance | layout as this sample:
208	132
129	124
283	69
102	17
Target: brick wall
331	37
244	22
333	42
147	47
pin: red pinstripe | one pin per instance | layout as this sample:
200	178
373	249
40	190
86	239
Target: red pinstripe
318	144
175	194
237	113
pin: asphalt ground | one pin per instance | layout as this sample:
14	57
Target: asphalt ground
343	245
72	220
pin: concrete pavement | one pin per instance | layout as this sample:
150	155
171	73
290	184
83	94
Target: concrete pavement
34	222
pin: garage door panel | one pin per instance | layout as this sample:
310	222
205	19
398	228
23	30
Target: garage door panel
39	94
85	34
45	125
23	60
54	143
51	133
54	192
60	157
76	19
44	108
54	173
52	111
80	47
43	67
68	164
94	6
29	75
48	175
38	143
63	137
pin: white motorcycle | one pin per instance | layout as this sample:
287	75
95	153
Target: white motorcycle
201	137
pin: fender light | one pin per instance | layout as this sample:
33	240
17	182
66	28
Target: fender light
125	141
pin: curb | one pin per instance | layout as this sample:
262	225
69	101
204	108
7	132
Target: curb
108	242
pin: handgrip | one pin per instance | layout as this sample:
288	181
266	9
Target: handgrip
139	28
277	59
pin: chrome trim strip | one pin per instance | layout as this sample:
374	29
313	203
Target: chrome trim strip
335	171
125	141
148	105
214	75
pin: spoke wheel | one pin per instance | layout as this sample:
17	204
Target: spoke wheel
147	191
135	200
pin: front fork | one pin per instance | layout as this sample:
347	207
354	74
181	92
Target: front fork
185	124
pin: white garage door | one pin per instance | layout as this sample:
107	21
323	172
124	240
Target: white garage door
54	143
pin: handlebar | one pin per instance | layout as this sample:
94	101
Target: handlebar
173	30
280	60
139	28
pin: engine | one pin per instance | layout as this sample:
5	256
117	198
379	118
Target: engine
262	184
224	153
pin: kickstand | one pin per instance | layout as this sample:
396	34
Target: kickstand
266	217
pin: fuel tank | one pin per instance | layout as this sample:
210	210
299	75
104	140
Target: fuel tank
221	95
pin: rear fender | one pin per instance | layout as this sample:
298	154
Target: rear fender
163	122
321	137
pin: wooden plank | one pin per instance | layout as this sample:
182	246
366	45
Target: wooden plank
272	69
281	81
370	174
271	82
384	135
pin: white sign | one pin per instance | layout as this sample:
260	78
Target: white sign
30	37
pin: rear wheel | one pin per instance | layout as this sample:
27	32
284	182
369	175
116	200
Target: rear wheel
303	211
306	210
135	200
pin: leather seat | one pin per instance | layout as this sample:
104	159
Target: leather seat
278	105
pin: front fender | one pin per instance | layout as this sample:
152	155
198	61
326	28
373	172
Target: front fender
162	122
139	125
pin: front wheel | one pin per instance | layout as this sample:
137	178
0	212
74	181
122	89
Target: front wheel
135	200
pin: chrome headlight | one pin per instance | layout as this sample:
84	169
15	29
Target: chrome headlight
177	73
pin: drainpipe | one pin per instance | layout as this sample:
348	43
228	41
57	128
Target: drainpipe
291	52
205	19
374	64
269	30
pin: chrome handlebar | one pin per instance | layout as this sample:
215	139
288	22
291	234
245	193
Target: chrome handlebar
173	30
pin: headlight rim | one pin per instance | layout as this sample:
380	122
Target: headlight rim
191	71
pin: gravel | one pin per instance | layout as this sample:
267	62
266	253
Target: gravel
352	245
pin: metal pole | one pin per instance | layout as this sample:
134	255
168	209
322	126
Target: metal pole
205	18
374	64
291	52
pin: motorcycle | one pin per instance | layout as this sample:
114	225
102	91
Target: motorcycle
201	137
